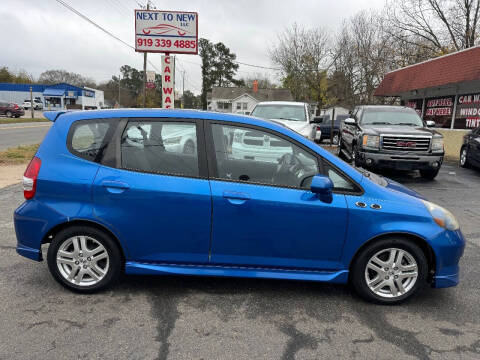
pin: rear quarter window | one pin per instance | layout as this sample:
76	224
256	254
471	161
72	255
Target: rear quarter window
88	138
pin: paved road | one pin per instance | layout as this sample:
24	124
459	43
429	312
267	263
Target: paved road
22	133
211	318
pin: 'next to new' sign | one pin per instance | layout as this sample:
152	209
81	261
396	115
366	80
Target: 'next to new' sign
165	16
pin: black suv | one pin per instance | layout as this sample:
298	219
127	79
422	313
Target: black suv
470	151
395	137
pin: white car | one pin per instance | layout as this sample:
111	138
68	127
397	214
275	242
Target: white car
295	115
37	104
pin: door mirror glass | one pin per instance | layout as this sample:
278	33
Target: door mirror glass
350	121
430	123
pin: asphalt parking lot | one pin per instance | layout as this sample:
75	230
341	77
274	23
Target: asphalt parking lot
213	318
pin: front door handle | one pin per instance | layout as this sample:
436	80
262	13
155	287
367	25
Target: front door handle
115	187
236	198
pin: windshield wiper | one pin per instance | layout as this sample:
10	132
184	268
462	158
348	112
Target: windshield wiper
280	118
380	123
409	124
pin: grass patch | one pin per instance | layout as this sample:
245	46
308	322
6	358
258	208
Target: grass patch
21	120
18	155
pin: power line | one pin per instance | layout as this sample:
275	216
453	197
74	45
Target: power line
86	18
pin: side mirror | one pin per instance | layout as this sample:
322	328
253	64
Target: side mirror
430	123
316	120
350	121
322	186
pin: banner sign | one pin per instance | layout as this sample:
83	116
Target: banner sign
415	105
467	115
439	110
170	32
168	82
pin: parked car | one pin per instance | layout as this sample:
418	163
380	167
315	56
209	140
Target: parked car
324	123
392	137
37	104
470	151
107	203
10	109
295	115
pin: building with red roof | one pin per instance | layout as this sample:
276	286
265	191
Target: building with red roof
445	89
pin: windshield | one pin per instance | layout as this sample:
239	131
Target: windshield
385	116
281	112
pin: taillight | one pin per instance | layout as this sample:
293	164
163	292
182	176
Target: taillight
30	178
16	106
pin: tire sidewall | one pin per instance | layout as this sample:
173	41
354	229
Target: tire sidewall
115	259
358	269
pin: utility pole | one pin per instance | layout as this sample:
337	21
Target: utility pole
332	126
31	101
183	89
145	71
119	78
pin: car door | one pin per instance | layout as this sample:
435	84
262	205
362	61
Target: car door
156	194
264	214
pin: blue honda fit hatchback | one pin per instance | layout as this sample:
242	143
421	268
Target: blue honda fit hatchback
200	193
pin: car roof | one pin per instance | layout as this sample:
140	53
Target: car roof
294	103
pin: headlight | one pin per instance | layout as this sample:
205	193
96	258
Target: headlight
371	141
442	216
437	144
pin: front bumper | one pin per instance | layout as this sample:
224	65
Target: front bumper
401	161
448	248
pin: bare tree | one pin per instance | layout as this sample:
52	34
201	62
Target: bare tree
303	55
440	26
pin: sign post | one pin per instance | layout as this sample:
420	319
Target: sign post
168	32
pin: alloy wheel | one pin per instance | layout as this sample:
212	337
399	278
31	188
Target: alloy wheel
391	273
82	260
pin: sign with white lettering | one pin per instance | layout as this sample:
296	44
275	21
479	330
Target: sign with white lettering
168	82
439	110
169	32
468	111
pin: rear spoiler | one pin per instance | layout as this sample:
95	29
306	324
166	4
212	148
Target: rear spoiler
53	115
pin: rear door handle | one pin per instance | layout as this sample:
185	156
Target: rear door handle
115	187
236	198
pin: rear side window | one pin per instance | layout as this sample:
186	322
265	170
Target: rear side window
88	138
162	147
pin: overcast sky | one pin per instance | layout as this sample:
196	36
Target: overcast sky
41	35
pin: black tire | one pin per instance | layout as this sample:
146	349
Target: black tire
464	157
429	174
115	261
8	114
358	268
355	158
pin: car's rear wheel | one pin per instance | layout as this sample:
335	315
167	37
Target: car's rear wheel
84	259
429	174
8	114
389	271
464	157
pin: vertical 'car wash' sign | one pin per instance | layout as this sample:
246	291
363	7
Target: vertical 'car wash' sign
168	82
170	32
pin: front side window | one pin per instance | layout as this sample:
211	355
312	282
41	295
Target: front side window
162	147
340	182
86	138
255	156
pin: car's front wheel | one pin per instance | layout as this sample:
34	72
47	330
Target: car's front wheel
84	259
429	174
389	271
464	157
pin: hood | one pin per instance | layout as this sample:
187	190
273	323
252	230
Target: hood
393	185
302	127
399	130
